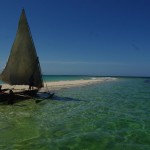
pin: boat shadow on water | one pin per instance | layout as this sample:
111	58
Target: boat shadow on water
37	99
58	98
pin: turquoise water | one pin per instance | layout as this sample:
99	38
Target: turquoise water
113	115
64	77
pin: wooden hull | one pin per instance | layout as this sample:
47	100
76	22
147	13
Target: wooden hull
28	92
10	98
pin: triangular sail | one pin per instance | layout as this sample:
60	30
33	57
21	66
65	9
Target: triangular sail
23	61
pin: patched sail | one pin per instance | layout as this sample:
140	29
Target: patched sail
23	61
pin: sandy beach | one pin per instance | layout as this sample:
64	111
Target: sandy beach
57	85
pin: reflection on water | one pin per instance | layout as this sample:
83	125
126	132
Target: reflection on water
112	115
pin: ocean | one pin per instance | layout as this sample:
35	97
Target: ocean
112	115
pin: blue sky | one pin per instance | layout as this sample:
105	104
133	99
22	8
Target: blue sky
84	37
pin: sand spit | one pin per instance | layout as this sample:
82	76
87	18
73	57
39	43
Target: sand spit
57	85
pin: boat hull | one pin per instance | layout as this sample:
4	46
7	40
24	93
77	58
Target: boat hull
10	98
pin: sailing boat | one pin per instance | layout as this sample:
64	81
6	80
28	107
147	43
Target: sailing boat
23	67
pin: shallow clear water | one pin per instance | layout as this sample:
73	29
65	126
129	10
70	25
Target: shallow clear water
111	115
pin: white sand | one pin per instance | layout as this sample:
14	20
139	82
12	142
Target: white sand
52	86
